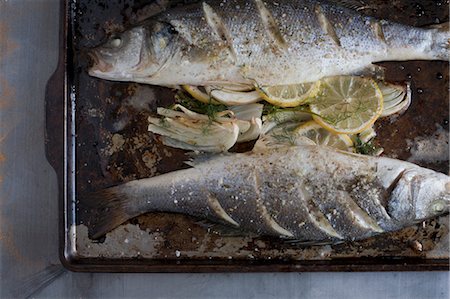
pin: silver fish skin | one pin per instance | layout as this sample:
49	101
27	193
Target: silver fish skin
305	193
232	42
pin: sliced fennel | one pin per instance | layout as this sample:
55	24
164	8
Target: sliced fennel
252	114
220	117
195	134
281	116
233	98
367	135
225	115
253	133
280	136
200	95
248	112
189	130
397	98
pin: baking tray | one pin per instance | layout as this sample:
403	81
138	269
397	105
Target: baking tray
96	137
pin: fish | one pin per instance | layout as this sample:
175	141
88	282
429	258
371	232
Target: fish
305	194
240	44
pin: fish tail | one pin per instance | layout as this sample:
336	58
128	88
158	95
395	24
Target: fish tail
107	209
442	41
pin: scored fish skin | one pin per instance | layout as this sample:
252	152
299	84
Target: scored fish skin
263	42
306	193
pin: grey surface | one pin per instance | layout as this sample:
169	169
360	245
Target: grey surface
29	264
273	285
28	206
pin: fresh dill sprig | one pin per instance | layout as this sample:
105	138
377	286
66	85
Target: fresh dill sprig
270	109
366	148
192	104
285	137
163	122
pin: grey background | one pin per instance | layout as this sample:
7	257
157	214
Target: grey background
29	265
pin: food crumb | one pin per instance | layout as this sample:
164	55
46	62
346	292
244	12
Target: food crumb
417	246
117	142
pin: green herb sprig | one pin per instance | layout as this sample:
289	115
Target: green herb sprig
192	104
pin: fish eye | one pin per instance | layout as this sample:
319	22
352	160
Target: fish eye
116	42
438	206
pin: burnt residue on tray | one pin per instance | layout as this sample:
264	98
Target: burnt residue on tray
113	146
421	134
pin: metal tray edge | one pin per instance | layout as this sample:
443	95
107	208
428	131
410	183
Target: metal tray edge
57	152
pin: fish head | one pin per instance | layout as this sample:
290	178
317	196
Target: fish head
419	194
133	55
431	195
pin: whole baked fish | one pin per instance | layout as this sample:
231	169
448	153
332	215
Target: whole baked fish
233	42
304	193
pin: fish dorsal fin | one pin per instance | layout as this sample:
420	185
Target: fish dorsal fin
197	158
357	5
267	142
262	144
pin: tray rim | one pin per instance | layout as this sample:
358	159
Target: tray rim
58	107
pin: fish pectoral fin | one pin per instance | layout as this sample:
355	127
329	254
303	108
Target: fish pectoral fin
357	5
266	143
262	144
308	243
196	158
222	229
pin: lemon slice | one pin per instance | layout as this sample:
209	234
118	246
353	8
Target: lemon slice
199	95
347	104
322	137
289	95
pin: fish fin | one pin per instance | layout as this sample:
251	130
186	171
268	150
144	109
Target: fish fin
222	229
197	158
266	142
261	145
107	209
308	243
182	31
357	5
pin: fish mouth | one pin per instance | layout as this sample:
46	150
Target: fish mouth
98	65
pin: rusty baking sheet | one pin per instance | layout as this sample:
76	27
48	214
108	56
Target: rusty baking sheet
97	137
